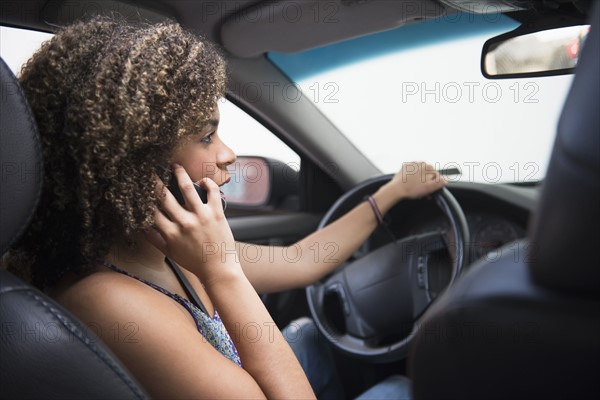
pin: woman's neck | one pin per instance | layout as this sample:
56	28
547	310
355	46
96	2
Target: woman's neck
141	259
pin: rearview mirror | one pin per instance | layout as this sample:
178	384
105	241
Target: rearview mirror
542	53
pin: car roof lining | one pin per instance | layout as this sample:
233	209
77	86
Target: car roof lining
212	18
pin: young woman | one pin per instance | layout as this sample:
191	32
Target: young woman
156	280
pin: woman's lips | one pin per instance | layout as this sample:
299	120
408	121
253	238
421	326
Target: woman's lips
223	197
223	184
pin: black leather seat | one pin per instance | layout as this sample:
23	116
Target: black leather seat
45	352
528	324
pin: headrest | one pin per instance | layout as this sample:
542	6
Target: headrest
20	159
564	235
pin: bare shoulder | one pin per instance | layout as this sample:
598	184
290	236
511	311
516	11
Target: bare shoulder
111	295
115	307
155	338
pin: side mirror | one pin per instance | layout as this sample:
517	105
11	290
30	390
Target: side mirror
261	183
524	53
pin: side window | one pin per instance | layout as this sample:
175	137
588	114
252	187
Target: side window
248	137
18	45
265	176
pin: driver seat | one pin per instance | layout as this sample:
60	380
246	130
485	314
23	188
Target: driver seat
527	325
45	352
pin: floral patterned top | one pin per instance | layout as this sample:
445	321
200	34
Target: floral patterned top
211	328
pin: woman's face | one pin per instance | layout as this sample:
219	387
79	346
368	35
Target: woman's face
205	155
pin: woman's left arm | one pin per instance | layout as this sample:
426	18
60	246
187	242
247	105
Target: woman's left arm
273	269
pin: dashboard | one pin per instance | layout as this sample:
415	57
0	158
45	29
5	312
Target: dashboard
496	215
489	230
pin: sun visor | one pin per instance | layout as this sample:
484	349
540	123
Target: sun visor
487	6
292	26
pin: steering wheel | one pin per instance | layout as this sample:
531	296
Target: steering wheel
378	299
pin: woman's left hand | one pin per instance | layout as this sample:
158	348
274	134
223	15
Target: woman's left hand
415	180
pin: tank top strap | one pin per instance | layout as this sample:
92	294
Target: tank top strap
152	285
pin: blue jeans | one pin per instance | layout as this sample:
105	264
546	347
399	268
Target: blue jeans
394	387
314	355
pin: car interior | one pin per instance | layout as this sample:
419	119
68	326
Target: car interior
498	294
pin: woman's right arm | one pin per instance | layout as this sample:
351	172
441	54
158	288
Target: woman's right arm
180	232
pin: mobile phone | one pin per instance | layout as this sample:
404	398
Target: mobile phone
173	187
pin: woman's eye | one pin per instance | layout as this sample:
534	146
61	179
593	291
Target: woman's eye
207	139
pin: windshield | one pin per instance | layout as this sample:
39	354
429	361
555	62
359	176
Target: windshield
417	93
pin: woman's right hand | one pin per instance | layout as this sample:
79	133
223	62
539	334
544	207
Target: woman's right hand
196	235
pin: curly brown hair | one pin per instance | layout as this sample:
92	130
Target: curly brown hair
112	101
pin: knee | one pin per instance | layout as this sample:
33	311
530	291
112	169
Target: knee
304	338
300	331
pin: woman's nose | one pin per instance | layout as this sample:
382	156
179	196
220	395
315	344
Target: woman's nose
226	156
